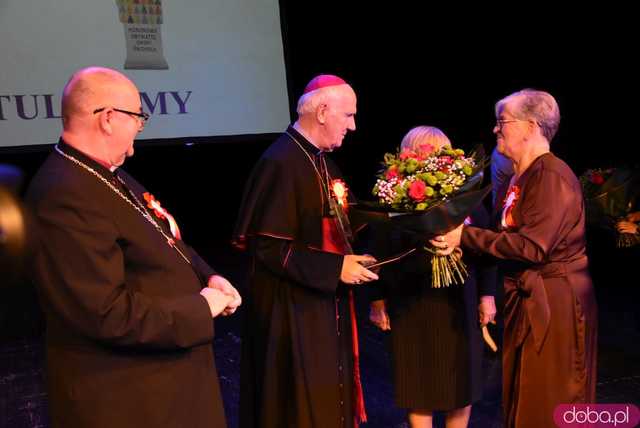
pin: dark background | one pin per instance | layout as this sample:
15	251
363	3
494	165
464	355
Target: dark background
408	66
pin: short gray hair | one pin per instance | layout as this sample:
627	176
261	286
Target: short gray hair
310	101
531	104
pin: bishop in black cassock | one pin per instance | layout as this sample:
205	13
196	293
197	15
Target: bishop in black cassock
298	350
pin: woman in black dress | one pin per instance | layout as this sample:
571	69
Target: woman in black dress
436	337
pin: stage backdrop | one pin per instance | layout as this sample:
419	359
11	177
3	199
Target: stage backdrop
203	67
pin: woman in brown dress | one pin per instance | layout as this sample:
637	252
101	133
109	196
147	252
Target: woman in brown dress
549	354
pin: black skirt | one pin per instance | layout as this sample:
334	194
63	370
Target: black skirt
436	353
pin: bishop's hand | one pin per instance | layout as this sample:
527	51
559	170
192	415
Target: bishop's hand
354	270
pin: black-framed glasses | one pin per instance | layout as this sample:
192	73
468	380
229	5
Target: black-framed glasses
142	116
500	122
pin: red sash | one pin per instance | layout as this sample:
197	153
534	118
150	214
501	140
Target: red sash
333	242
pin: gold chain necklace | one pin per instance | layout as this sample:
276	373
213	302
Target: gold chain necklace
335	210
145	213
323	184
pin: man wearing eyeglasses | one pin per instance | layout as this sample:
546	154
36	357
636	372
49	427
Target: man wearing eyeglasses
113	127
129	305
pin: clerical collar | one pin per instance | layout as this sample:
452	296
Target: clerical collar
72	151
304	142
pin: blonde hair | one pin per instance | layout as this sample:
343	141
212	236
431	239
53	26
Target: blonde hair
421	136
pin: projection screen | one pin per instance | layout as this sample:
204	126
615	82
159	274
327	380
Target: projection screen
203	67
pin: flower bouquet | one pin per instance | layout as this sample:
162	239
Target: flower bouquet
431	195
610	195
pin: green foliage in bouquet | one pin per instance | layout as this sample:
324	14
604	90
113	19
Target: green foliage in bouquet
425	184
412	181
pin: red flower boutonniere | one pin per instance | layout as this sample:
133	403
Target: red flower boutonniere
339	191
510	200
154	204
162	214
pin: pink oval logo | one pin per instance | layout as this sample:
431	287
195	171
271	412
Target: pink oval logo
596	415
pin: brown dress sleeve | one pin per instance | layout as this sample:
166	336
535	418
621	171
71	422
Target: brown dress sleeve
544	214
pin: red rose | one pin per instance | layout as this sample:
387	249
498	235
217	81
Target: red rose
416	190
597	179
406	154
392	172
425	150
